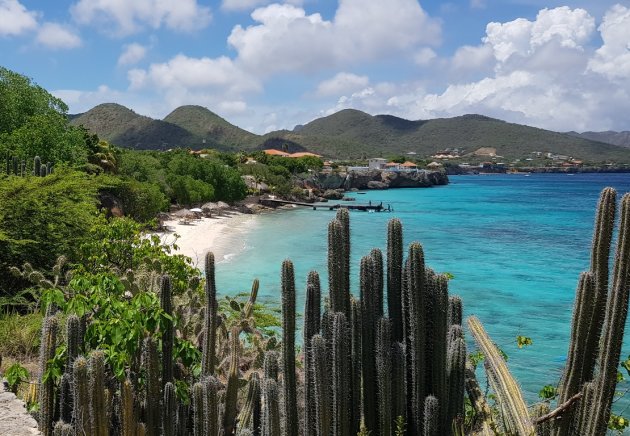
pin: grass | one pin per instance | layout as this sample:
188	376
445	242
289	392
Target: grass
19	336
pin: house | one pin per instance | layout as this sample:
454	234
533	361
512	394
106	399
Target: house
434	165
409	166
376	163
304	154
274	152
392	166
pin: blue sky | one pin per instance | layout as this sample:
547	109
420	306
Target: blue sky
267	65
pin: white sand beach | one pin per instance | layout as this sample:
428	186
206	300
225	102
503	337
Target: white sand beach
223	235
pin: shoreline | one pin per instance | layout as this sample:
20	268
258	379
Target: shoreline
220	234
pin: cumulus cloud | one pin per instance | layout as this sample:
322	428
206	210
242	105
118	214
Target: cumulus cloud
246	5
15	19
131	16
285	38
132	54
612	59
342	83
57	36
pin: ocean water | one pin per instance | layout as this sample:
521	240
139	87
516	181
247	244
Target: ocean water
514	244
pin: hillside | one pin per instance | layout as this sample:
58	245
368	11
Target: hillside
348	134
610	137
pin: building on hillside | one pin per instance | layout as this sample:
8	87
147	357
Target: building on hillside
409	166
274	152
392	166
434	165
304	154
377	163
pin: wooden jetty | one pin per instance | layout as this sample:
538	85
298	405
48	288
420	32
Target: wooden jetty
272	202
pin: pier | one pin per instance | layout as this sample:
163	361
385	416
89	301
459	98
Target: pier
272	202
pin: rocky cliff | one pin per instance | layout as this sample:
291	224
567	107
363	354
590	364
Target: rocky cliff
375	179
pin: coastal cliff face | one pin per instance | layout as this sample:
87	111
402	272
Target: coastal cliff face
375	179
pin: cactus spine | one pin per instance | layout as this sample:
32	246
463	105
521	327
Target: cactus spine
37	164
271	409
249	416
209	344
231	393
394	277
321	384
198	400
46	392
65	397
211	406
152	387
98	405
311	327
343	216
341	380
355	391
128	421
73	339
436	343
81	408
288	348
455	311
270	365
167	332
431	416
456	368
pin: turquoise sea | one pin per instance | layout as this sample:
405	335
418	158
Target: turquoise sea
514	244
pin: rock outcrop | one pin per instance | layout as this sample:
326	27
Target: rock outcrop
375	179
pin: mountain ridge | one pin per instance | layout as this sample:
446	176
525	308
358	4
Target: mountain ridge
347	134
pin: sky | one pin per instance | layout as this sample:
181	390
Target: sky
265	65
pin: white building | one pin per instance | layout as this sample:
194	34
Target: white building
377	163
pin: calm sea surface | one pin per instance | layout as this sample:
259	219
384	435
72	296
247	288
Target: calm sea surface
514	244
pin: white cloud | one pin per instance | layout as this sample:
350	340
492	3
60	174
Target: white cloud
247	5
359	31
132	54
131	16
425	56
342	83
57	36
612	59
478	4
468	57
15	19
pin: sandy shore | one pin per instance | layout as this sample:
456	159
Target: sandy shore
223	235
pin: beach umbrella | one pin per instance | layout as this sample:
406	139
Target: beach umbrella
196	209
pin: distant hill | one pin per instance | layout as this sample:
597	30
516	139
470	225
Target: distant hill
348	134
621	139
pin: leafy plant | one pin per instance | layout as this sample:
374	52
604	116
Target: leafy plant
15	375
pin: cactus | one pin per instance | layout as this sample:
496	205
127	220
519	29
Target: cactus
63	429
341	381
73	339
394	277
455	312
456	368
37	164
209	344
355	391
311	327
49	168
384	371
46	392
478	402
16	170
343	216
399	391
65	397
377	274
98	405
271	409
339	293
42	171
249	416
152	387
431	416
436	343
169	413
183	419
270	365
211	406
81	410
371	311
167	329
321	383
231	393
199	416
544	428
504	385
288	348
128	421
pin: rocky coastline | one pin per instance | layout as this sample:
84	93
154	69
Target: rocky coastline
375	179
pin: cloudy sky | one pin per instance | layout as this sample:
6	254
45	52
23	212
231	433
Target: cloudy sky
267	65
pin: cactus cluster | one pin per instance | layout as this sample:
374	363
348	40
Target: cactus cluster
15	166
372	364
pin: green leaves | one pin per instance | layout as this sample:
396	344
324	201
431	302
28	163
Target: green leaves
548	392
16	374
523	341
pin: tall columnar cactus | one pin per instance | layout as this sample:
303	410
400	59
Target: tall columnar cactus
231	392
46	391
341	376
377	274
271	365
211	406
209	345
16	164
371	312
65	397
127	407
355	391
322	384
394	277
42	171
152	386
505	387
288	348
339	293
456	368
431	416
199	415
249	416
63	429
455	311
612	332
384	372
169	410
436	343
271	409
98	405
399	385
37	164
415	329
168	335
343	216
311	327
183	419
81	409
478	402
73	339
545	428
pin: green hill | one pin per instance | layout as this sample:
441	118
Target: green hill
348	134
